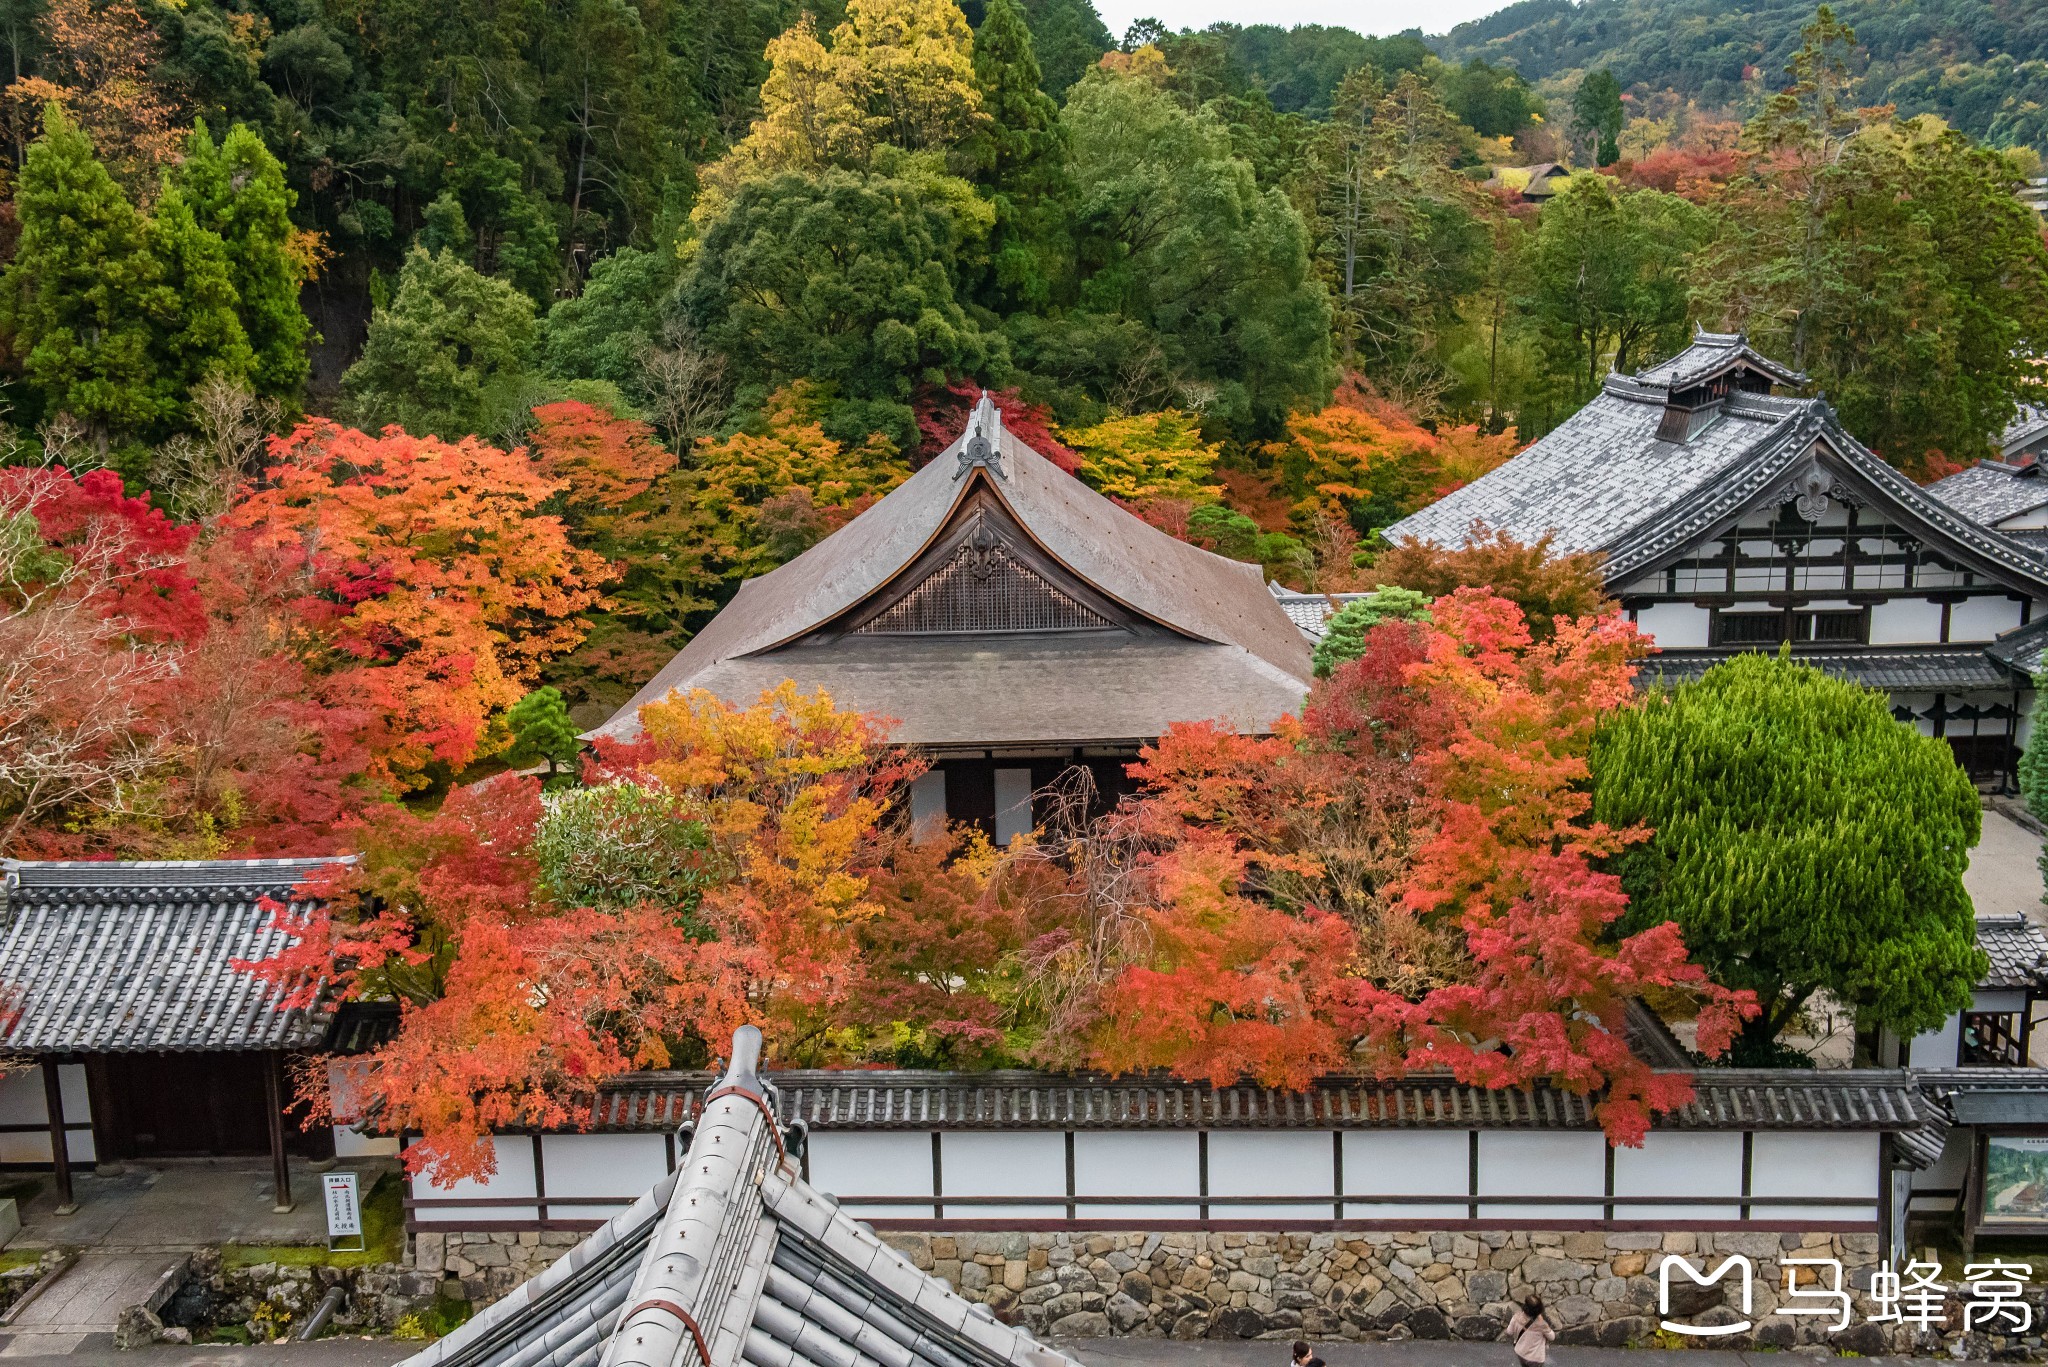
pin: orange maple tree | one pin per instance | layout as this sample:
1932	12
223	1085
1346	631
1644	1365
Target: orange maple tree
1544	582
100	61
518	1002
1513	860
793	792
437	587
1403	879
1362	447
601	462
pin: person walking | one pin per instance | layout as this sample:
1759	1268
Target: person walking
1304	1356
1531	1333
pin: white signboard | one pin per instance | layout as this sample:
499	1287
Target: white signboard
344	1213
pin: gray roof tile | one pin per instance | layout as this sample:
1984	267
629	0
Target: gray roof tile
1991	491
761	1277
1310	610
1905	671
2024	430
1713	353
2017	949
1604	482
116	957
1726	1098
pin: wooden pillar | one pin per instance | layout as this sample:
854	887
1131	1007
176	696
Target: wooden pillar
60	1142
273	1081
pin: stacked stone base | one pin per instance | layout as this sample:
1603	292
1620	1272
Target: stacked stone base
479	1267
1601	1287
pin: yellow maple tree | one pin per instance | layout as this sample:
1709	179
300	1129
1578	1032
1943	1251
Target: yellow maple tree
1147	456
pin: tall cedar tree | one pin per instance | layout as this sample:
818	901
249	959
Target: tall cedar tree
449	357
237	191
1179	240
1892	261
76	300
1068	37
198	332
841	278
1803	841
1606	278
1598	115
1398	235
1020	158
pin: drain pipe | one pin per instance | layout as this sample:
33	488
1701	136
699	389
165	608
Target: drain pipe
328	1305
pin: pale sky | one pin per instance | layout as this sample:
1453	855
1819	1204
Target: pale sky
1373	17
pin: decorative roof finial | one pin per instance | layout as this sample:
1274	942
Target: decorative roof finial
743	1073
984	444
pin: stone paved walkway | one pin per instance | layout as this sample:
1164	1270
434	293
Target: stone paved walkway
2004	874
180	1204
86	1298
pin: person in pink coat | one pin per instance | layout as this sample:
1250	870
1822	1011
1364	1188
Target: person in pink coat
1531	1333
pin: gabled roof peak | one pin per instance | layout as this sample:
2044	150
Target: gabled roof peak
981	445
1712	355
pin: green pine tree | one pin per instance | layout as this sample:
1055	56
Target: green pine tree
1068	37
1598	112
449	356
1345	632
237	190
2033	769
75	301
1021	157
194	305
1804	842
541	730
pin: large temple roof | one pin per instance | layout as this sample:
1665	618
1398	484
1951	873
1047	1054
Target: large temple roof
1194	635
735	1258
1613	480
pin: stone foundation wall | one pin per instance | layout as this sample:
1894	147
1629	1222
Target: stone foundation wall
479	1267
1601	1287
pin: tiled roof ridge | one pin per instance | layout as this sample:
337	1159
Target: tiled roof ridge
735	1258
46	877
1880	1099
1629	387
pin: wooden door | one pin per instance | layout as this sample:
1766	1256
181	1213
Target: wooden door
180	1105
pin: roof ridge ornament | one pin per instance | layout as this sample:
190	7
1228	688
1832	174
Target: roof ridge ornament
984	443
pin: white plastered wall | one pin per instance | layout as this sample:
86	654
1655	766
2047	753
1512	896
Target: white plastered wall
25	1113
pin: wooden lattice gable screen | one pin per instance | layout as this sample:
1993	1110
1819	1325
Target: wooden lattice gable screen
984	576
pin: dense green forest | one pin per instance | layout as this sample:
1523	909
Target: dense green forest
1981	65
714	216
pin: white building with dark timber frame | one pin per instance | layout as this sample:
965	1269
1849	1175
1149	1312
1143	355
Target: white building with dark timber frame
1733	517
120	983
1013	622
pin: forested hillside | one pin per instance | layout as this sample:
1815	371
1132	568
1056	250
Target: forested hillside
426	355
1980	64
